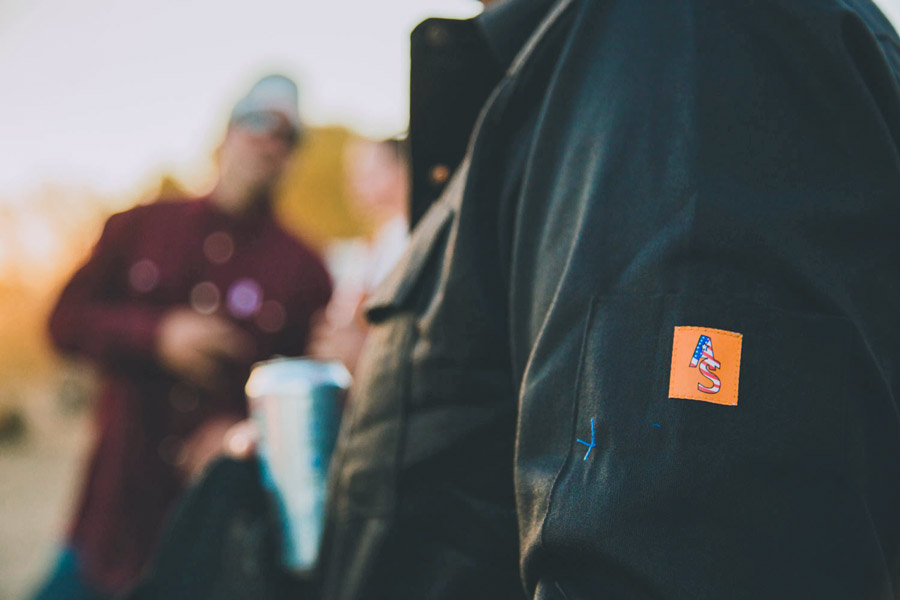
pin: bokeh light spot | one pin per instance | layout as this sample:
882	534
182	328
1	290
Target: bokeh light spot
143	275
218	248
271	316
244	298
170	450
205	298
183	398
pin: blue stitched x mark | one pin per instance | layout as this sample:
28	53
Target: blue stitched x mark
592	445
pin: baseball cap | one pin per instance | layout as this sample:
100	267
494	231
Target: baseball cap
273	93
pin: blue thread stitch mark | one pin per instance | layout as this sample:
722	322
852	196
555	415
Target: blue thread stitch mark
657	425
590	446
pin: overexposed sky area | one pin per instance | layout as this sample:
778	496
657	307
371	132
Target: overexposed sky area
107	93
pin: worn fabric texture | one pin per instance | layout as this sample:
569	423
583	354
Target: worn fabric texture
643	166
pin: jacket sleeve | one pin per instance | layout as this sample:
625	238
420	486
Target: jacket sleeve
704	166
93	317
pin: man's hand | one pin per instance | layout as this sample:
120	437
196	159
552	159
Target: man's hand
341	341
206	444
242	439
199	347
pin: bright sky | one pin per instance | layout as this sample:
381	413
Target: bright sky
108	94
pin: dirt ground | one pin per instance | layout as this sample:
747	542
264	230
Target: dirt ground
38	482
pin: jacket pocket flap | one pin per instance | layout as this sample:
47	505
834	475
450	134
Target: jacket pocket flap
394	291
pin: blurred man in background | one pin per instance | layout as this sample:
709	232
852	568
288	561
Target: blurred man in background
176	302
378	181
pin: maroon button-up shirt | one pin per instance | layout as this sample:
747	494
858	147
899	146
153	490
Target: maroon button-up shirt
149	260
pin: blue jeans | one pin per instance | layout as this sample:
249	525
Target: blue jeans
67	581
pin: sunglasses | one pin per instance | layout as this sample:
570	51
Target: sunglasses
265	123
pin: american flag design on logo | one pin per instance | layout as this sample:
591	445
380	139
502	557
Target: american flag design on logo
698	372
704	360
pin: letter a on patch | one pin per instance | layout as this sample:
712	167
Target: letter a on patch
706	365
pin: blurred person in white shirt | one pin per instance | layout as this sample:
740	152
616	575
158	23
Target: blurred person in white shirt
377	178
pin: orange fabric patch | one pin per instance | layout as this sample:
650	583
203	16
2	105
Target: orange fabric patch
706	365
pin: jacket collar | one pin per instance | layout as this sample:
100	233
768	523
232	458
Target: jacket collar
507	25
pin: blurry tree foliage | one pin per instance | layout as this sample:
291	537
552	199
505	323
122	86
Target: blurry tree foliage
313	201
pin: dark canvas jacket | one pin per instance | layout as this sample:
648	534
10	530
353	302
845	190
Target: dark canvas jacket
643	166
